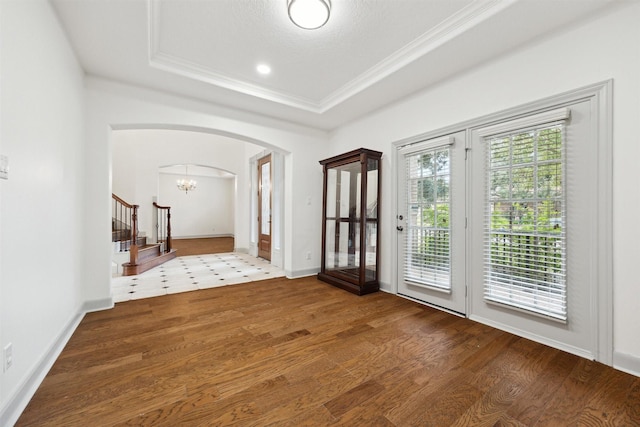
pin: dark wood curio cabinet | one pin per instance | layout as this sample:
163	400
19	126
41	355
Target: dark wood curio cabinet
350	238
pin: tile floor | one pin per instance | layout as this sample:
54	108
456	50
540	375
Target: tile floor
190	273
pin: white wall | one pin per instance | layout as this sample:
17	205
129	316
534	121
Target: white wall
114	106
207	211
603	48
137	155
42	133
42	105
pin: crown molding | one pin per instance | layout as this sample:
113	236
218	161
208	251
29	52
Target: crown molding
468	17
194	71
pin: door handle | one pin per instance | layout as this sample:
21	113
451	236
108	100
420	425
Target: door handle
399	228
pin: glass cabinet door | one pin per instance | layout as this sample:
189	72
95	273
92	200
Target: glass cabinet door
371	236
342	249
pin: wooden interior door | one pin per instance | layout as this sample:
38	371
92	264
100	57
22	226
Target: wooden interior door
264	207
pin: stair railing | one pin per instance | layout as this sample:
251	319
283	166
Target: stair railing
125	223
163	225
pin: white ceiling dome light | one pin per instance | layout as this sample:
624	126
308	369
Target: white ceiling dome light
309	14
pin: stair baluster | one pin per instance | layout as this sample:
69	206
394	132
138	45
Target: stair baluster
163	225
124	226
133	249
125	230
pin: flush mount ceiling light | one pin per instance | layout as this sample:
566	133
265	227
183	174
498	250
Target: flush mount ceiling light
309	14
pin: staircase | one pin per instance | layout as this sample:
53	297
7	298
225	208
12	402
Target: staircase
143	256
149	256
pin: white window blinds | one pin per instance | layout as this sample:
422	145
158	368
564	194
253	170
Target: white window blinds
525	219
427	260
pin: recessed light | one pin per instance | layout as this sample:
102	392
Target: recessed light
263	69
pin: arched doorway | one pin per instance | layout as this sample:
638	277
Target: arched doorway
141	168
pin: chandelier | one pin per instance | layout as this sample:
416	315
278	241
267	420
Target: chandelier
185	184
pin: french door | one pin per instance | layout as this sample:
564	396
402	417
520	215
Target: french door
431	222
503	223
532	226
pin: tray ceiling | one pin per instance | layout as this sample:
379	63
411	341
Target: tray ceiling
369	54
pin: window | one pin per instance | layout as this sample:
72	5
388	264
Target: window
525	220
428	226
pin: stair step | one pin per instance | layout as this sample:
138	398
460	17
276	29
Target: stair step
126	244
129	269
118	235
148	251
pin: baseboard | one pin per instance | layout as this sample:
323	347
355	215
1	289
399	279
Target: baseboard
204	236
386	287
534	337
98	305
626	363
314	271
17	403
301	273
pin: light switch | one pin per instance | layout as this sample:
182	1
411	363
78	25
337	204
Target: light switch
4	167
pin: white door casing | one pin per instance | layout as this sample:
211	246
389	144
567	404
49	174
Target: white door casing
588	330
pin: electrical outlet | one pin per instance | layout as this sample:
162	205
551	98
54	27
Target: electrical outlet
8	356
308	255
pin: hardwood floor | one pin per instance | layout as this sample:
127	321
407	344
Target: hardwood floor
203	246
303	353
